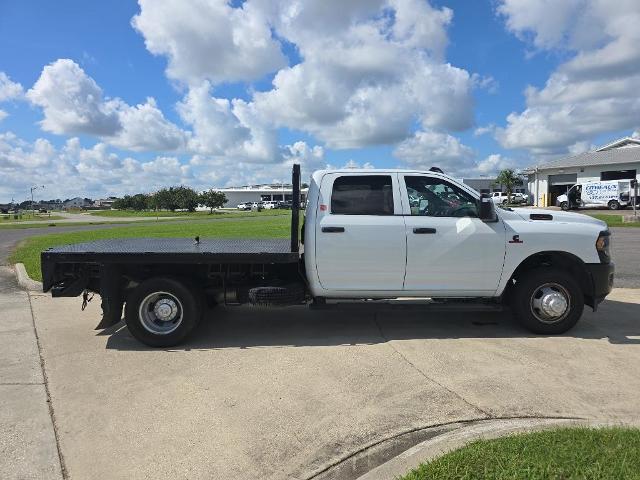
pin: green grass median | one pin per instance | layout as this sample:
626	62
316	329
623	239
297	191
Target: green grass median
614	220
168	213
277	226
559	454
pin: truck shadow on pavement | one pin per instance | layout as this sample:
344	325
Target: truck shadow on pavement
246	327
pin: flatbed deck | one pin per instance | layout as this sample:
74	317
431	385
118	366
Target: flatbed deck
174	250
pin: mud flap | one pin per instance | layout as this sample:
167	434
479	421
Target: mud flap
111	295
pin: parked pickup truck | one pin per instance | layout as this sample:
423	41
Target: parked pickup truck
371	239
501	198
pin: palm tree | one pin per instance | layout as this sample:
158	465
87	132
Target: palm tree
509	179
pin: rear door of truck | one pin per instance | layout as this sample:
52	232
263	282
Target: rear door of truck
360	234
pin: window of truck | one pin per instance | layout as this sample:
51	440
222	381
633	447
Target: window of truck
362	195
434	197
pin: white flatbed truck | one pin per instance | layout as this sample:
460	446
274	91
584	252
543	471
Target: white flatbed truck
371	239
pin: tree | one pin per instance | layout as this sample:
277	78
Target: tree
165	199
212	199
186	198
138	202
122	203
508	179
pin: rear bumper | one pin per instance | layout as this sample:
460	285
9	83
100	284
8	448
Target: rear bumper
601	282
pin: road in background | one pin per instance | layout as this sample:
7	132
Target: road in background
625	246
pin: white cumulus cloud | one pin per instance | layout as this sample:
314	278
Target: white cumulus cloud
9	90
435	149
595	90
73	103
209	39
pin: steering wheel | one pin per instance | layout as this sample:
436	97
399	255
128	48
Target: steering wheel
463	211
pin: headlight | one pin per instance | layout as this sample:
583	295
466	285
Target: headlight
603	244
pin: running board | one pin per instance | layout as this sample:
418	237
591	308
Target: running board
430	306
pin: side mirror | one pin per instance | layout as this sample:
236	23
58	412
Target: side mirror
487	209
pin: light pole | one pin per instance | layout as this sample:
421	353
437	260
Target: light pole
32	189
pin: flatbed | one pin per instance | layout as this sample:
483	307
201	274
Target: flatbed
169	250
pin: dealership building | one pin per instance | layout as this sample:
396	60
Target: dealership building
257	193
619	160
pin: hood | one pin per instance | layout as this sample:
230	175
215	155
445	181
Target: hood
559	216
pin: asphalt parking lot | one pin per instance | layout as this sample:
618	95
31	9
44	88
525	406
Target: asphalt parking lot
289	393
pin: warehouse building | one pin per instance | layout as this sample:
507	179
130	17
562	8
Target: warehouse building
619	160
257	193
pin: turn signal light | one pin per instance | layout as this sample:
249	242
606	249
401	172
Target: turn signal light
603	246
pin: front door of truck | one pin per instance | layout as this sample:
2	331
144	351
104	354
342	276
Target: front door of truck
360	239
449	250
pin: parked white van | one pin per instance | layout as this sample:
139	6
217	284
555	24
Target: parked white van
613	194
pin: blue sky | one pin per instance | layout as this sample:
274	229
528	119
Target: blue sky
218	117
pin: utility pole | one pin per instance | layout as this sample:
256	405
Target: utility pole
32	189
634	185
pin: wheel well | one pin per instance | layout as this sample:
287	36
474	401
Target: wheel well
562	260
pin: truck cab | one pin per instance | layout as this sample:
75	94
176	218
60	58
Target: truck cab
384	234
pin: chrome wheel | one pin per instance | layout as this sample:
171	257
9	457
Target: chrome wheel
160	313
550	303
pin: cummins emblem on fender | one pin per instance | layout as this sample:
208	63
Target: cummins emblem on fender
516	239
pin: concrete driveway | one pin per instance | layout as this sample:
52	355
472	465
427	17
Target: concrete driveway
289	393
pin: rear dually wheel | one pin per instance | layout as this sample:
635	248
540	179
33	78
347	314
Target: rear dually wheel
162	312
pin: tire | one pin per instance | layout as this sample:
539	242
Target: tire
614	205
528	295
564	206
161	295
505	202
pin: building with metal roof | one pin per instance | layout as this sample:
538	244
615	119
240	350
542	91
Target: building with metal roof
258	193
618	160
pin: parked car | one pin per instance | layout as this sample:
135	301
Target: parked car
257	206
269	204
284	204
371	238
245	206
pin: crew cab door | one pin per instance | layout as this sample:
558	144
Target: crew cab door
449	250
360	234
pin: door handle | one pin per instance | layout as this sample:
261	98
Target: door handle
333	229
424	230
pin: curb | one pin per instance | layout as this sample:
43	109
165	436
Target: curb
454	439
25	281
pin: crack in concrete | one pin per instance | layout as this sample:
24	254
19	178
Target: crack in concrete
416	368
63	468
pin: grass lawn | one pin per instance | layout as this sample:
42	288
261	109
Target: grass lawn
28	252
167	213
614	220
560	454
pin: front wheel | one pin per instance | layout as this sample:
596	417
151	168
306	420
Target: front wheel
161	312
547	301
614	205
564	206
